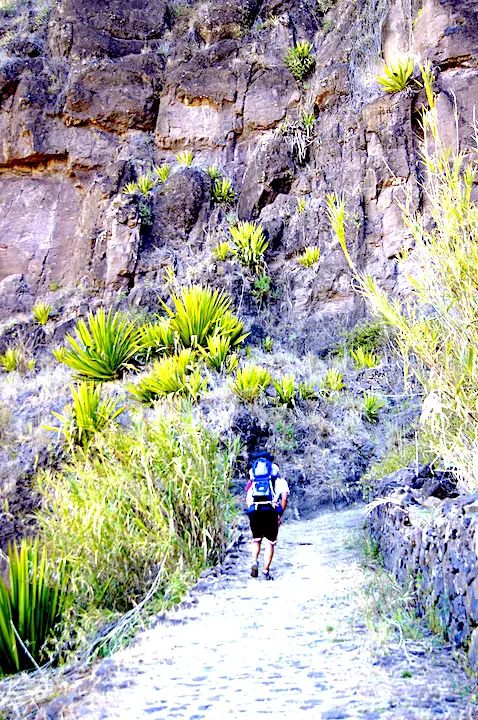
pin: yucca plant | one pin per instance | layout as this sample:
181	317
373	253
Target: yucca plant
156	339
90	414
200	312
222	191
130	188
221	251
185	157
216	352
310	256
333	381
300	59
41	312
396	75
362	358
162	172
371	406
103	349
249	246
307	391
145	184
31	605
168	378
250	382
213	172
10	360
286	390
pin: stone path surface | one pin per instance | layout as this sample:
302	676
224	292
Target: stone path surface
295	647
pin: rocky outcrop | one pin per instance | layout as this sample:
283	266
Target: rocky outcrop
427	536
102	91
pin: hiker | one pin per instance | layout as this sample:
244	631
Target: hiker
266	499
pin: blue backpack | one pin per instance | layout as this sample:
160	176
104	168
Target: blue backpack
262	481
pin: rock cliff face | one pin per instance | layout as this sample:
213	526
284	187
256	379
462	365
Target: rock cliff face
97	91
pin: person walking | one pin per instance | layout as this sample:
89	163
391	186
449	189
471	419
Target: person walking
267	494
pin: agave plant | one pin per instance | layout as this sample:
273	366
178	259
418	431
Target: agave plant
156	338
196	385
185	157
300	59
362	358
145	184
306	391
218	347
396	75
250	382
168	377
213	172
162	172
286	390
310	256
222	191
130	188
31	605
333	381
371	406
41	312
103	349
10	359
200	312
90	414
249	246
221	251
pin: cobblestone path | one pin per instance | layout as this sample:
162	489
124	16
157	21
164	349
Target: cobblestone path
295	647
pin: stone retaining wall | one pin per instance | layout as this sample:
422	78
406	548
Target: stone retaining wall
433	544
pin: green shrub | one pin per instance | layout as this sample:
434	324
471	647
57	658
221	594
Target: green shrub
145	184
372	405
369	337
41	312
362	358
310	256
249	246
10	359
90	414
167	378
222	191
307	391
185	157
162	172
156	339
104	349
333	381
221	251
31	606
250	382
286	390
268	344
262	286
300	60
396	75
154	501
200	312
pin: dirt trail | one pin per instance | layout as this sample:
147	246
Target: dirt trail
293	647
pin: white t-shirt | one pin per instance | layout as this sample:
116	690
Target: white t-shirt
280	485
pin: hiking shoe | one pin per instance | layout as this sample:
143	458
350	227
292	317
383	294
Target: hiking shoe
255	569
266	575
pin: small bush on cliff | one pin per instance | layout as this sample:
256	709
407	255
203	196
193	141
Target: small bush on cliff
156	339
286	391
371	406
436	330
363	359
162	172
185	157
10	359
167	378
300	60
41	312
221	251
310	256
222	191
90	414
250	382
249	246
104	348
332	382
30	606
396	75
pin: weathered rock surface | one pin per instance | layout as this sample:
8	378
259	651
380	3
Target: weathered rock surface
427	535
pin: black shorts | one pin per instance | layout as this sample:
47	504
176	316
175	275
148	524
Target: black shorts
264	523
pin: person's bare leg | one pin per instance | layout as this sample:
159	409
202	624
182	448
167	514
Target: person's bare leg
268	555
256	548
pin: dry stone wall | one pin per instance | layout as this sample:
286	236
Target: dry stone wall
430	544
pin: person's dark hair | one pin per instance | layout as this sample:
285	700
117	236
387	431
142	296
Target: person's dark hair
261	454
